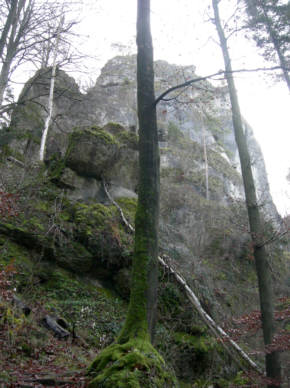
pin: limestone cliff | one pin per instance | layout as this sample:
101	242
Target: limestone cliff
67	219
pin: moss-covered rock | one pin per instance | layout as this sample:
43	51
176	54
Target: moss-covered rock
125	137
91	152
99	229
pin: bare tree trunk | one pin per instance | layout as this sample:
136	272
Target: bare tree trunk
11	40
141	315
51	91
9	21
273	368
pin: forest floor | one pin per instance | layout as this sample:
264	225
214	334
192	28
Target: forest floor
32	355
57	363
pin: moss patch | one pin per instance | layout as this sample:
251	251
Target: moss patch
124	136
98	227
135	364
96	132
200	344
129	206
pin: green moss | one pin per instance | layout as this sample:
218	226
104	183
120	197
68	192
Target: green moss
135	364
128	138
99	228
199	343
97	132
56	168
239	380
93	217
170	299
12	252
124	136
6	151
129	206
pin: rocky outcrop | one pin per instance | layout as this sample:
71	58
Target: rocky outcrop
66	219
201	113
86	146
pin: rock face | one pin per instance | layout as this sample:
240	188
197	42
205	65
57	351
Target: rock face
28	118
201	113
201	185
65	214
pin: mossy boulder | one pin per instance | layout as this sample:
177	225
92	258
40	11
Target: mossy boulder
91	152
124	173
98	228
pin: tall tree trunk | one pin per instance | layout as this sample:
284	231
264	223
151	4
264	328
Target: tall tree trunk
273	368
8	23
141	315
12	38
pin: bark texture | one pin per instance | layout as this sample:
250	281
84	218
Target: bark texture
273	368
143	301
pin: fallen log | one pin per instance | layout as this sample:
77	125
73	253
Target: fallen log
51	324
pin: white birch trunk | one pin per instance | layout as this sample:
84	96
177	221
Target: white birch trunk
51	91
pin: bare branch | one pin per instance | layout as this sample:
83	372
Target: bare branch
221	72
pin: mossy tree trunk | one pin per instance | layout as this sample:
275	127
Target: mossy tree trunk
273	368
132	361
143	301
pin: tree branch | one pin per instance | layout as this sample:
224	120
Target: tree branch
221	72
